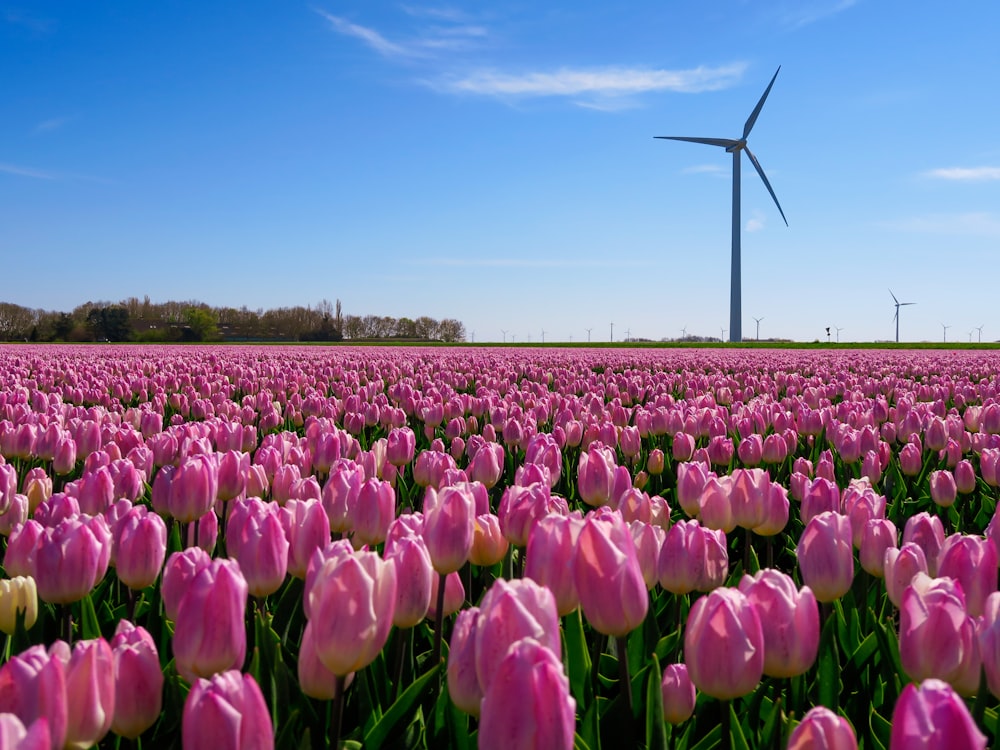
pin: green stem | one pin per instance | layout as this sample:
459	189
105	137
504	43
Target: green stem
337	712
438	621
727	740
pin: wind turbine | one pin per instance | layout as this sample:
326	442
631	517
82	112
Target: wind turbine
758	327
588	334
504	335
736	146
944	332
980	329
839	329
896	316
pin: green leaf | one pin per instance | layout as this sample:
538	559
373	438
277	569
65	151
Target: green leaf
578	743
89	626
656	736
771	725
578	662
829	664
590	727
402	708
736	736
881	730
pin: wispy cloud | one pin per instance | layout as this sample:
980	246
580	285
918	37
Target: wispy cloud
369	36
425	42
705	169
36	174
806	13
608	81
979	224
965	174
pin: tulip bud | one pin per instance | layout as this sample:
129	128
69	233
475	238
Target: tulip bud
33	687
724	644
826	556
931	716
17	596
463	684
678	694
822	728
138	681
789	621
226	711
90	690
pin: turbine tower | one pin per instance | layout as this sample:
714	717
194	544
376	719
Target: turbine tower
758	327
896	316
736	146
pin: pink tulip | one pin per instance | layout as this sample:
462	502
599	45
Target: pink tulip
415	579
901	565
988	633
878	536
33	686
454	595
608	578
937	638
910	460
822	728
972	561
487	465
71	559
943	488
789	620
315	680
595	475
226	711
64	460
655	462
715	506
724	644
400	446
510	611
340	494
210	630
821	495
750	450
140	546
16	514
678	694
16	736
19	559
90	690
528	705
521	507
826	557
193	488
260	547
307	528
489	546
775	511
550	558
373	511
234	467
932	716
648	540
748	494
138	681
463	684
965	477
693	558
449	527
350	605
926	531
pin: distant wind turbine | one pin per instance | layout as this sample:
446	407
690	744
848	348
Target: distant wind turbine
684	332
504	335
896	316
736	146
722	334
980	329
588	334
839	329
944	332
758	327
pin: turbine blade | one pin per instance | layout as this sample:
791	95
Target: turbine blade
756	110
723	142
760	171
906	303
893	297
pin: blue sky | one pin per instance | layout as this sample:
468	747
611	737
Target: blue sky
495	163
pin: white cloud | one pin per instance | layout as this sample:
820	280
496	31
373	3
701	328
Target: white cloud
369	36
607	81
806	13
965	174
705	169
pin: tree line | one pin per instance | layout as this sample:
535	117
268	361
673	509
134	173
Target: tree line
145	321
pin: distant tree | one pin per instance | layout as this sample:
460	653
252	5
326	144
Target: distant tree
451	331
109	323
201	321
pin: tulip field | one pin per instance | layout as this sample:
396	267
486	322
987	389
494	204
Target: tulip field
306	547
